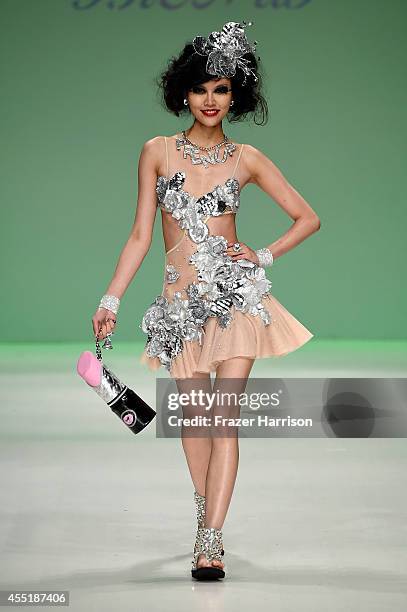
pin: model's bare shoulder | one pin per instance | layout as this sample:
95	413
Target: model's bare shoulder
251	153
154	144
152	152
252	158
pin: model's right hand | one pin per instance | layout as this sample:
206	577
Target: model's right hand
104	322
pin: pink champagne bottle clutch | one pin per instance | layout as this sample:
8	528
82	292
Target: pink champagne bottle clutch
125	403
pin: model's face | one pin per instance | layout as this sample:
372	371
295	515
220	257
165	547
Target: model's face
212	95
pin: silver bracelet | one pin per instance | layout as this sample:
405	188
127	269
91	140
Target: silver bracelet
265	257
110	302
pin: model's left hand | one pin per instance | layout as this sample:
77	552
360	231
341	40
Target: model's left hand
245	252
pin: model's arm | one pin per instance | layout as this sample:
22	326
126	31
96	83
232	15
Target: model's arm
270	179
139	241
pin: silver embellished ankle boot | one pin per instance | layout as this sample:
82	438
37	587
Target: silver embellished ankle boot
200	508
209	543
200	511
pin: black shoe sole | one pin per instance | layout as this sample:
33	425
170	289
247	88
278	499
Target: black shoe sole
207	573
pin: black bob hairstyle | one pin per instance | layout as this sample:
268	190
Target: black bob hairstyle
189	69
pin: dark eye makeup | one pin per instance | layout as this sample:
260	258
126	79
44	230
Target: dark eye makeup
222	89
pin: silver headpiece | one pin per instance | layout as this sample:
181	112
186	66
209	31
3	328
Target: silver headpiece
225	50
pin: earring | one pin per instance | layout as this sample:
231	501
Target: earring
232	103
185	102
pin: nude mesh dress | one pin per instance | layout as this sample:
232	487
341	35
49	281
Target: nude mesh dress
211	307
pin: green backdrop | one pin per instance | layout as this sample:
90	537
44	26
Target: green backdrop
78	102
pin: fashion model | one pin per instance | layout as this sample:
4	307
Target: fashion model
215	312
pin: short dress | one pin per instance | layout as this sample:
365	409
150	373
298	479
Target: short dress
211	308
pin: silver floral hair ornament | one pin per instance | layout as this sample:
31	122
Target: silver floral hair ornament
225	50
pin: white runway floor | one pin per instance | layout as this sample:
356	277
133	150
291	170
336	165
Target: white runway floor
314	524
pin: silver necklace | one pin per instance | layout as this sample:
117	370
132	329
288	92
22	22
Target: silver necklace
209	156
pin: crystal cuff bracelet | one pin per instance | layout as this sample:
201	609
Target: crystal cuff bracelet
110	302
265	257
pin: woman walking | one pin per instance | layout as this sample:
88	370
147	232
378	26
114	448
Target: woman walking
215	312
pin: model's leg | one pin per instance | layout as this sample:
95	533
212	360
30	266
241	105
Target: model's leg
231	377
196	441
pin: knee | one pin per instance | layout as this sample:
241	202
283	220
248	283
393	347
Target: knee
195	432
222	437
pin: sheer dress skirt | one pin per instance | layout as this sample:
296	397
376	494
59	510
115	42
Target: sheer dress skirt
246	335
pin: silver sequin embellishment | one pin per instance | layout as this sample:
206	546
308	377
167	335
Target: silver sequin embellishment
172	273
172	198
168	323
222	283
208	542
